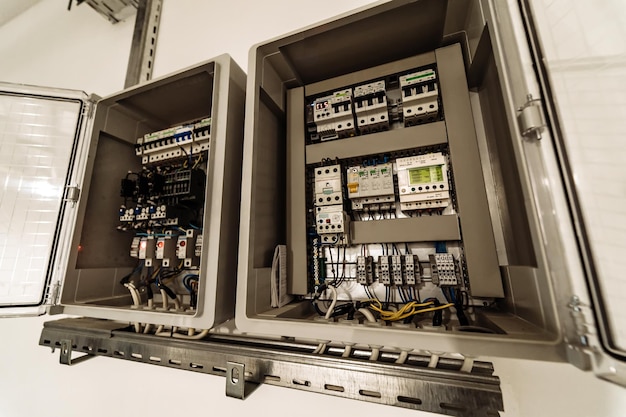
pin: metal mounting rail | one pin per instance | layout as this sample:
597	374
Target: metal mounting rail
246	361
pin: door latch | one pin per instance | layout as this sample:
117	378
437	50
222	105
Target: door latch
530	118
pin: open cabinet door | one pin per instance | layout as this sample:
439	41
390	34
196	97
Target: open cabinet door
40	131
581	60
566	79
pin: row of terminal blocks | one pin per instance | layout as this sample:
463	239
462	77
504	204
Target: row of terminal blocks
392	270
365	109
168	250
174	142
406	269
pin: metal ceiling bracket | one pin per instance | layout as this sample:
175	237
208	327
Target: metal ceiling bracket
235	380
65	357
530	118
143	47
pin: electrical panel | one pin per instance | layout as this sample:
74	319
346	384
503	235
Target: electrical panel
403	150
151	177
163	207
395	194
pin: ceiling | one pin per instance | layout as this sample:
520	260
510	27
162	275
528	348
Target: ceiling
11	8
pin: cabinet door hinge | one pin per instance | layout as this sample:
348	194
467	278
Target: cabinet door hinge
530	118
90	106
72	193
579	351
580	323
54	293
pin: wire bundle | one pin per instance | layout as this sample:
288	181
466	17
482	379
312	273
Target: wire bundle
406	311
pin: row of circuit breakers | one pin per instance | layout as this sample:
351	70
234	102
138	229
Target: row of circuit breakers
163	204
374	106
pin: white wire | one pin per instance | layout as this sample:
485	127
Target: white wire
347	351
375	354
468	364
368	315
165	300
136	301
200	335
333	303
403	356
322	349
176	304
134	294
433	361
147	328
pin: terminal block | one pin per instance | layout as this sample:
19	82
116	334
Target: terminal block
411	269
364	270
384	273
396	269
443	269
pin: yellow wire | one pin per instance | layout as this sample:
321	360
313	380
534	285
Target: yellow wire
197	162
154	274
405	311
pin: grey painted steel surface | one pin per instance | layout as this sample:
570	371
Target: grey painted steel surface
478	241
296	194
392	140
412	229
143	47
443	389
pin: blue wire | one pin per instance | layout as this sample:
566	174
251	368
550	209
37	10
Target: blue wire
440	247
402	297
194	226
452	295
187	278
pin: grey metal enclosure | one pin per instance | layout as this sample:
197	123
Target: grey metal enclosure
151	197
399	155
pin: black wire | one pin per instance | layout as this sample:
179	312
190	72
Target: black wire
458	306
332	264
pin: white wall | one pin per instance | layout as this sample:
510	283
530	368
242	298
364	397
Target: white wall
49	46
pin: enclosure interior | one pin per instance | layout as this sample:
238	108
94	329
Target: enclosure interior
111	247
482	220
